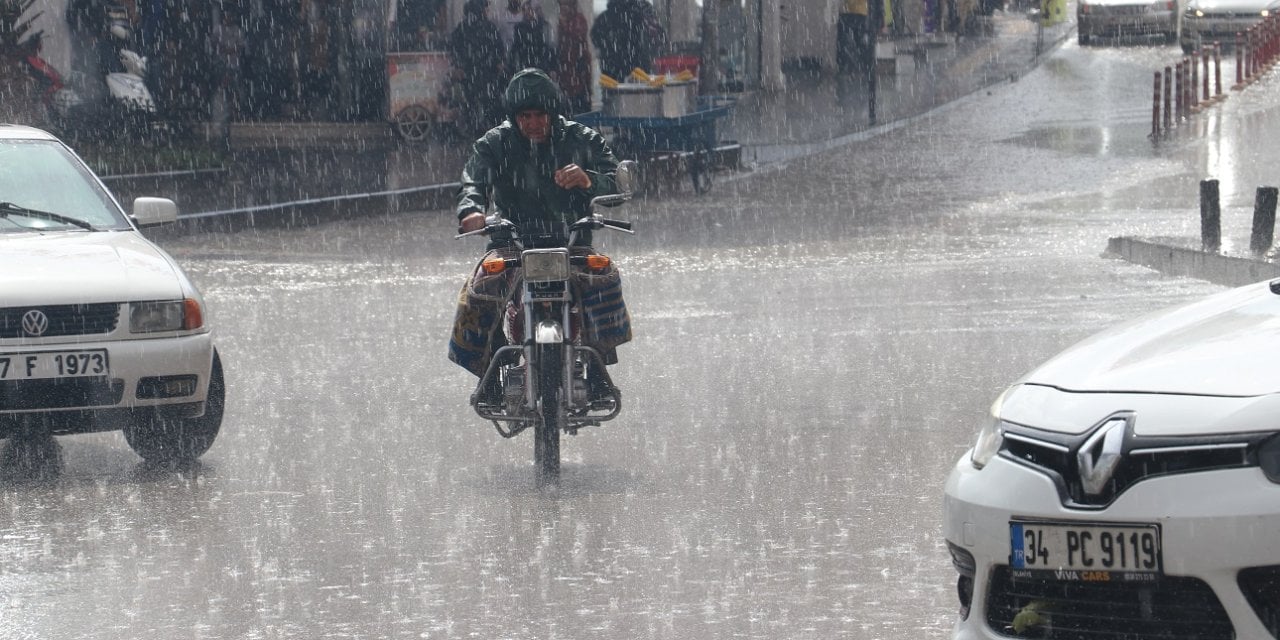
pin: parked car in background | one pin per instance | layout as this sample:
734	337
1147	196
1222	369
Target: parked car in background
1130	486
1208	21
100	329
1125	18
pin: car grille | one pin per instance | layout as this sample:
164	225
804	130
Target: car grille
26	395
1144	458
1172	608
64	320
1261	587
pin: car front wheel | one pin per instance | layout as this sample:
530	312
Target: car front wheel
176	440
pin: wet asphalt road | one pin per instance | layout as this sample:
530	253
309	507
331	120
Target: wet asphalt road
815	344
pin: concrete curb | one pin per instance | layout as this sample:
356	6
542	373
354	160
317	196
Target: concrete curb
1174	260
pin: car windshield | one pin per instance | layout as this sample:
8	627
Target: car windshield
46	178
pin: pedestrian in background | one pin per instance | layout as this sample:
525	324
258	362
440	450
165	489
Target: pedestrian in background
573	73
228	43
477	54
853	36
529	47
627	36
507	18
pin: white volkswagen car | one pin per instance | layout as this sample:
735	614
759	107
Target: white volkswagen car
1130	486
99	328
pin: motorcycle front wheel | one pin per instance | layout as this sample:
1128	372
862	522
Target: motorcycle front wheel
546	434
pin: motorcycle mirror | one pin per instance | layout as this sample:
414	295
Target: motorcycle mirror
626	177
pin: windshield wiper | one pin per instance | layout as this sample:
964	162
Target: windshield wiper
7	208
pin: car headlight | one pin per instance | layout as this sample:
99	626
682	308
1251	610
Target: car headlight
1269	459
1266	12
990	436
169	315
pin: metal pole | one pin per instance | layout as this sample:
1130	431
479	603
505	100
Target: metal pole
1192	85
1179	92
1210	217
1155	109
1264	220
1168	88
875	18
1204	56
1217	70
1239	59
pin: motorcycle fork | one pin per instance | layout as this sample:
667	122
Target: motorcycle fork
543	320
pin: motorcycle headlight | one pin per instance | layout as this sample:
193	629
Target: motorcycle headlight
990	436
169	315
545	265
1269	459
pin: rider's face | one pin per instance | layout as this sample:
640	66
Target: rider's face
534	124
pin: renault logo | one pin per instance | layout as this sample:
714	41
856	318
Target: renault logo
1100	455
34	322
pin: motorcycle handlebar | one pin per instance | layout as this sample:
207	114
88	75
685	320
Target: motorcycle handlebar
589	222
621	225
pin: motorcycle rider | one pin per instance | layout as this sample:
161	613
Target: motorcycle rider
539	170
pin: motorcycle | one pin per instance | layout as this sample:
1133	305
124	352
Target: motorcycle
109	98
126	77
543	371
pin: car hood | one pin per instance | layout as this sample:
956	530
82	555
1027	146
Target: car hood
1225	345
1233	6
75	267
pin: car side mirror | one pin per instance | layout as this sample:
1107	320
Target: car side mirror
149	212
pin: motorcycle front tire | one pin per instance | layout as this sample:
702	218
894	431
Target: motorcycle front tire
546	445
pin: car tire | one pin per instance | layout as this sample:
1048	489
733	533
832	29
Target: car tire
179	440
1082	39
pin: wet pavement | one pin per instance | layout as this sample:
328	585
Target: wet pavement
815	345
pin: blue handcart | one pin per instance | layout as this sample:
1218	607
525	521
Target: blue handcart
692	136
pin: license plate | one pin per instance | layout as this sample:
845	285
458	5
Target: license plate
54	364
1085	551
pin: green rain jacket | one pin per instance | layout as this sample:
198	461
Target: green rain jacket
520	175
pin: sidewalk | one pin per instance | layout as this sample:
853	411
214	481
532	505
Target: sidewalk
291	172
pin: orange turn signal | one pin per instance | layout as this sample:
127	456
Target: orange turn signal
598	262
192	316
494	265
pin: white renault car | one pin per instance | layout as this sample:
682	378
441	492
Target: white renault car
99	328
1130	486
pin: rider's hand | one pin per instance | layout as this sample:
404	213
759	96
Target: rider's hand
471	222
572	176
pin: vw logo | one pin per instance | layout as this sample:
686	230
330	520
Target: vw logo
35	322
